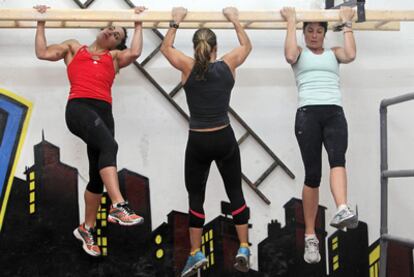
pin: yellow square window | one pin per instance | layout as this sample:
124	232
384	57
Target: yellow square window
32	185
32	208
31	176
32	197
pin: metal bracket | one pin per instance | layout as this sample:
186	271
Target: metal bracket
360	4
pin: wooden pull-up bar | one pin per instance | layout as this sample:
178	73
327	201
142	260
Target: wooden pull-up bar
76	18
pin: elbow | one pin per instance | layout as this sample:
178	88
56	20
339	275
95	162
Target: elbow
40	55
249	48
352	57
291	59
135	55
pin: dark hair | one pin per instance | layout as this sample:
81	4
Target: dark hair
322	24
204	40
122	45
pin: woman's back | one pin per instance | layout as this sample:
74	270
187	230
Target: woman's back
208	99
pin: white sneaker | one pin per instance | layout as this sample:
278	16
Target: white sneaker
311	255
345	218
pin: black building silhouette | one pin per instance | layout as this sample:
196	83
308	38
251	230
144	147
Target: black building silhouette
53	191
348	252
281	253
128	240
399	260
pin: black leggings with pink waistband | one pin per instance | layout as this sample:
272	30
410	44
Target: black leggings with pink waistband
202	149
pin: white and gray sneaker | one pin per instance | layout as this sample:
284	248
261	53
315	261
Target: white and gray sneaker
311	255
345	218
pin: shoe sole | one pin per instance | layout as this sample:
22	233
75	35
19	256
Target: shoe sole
242	264
116	220
350	223
85	248
312	262
192	271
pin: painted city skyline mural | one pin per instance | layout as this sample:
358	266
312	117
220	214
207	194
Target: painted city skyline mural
40	212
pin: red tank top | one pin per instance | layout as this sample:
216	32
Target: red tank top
89	77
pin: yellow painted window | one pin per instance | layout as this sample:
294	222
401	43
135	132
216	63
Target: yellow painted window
159	254
32	185
374	255
32	197
158	239
335	266
32	208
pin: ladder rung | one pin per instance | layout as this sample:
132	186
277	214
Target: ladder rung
266	173
243	138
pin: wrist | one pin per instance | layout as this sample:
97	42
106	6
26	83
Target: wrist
347	23
174	24
291	21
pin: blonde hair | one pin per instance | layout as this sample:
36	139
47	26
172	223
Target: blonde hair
204	40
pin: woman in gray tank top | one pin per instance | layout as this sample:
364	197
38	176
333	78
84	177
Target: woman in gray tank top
208	83
320	118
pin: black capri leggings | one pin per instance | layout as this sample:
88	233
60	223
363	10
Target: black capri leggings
319	124
92	121
203	148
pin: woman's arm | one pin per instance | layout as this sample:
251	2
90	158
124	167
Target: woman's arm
238	55
129	55
292	50
176	58
52	52
347	53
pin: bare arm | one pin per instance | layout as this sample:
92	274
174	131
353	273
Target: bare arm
238	55
347	53
129	55
292	50
176	58
52	52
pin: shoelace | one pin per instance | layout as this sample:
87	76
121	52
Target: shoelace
125	208
312	244
89	235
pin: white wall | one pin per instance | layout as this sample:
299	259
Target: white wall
152	135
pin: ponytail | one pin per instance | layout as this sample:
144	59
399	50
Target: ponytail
204	40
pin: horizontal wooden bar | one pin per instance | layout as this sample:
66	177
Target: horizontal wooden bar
365	26
192	16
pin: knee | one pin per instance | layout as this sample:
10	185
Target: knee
241	215
108	155
96	187
313	181
196	212
197	219
337	160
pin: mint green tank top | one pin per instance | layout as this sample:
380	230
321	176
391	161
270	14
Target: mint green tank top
317	78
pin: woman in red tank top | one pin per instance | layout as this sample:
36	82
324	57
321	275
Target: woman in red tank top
91	72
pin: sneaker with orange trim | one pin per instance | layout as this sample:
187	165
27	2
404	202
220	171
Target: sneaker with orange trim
88	242
121	213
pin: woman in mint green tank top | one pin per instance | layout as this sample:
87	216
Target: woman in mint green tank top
320	119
